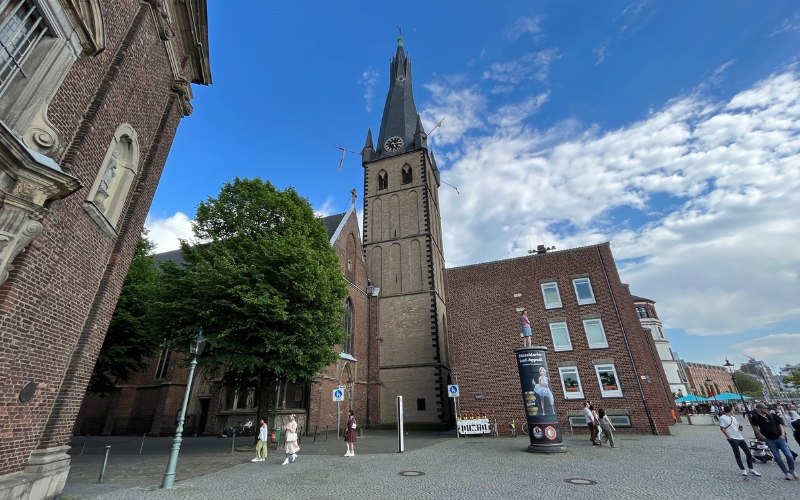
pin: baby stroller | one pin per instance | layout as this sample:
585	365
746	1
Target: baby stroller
760	451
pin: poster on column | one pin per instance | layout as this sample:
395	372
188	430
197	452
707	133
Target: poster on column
538	398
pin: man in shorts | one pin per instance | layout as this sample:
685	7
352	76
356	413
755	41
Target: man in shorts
525	323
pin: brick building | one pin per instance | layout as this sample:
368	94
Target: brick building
708	380
581	311
150	401
89	107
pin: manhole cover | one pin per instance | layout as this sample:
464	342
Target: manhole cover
410	473
579	481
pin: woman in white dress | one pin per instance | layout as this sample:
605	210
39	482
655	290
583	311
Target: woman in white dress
291	439
543	389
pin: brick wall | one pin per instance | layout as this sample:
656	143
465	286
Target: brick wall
56	304
721	380
483	329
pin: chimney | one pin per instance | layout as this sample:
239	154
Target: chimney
541	249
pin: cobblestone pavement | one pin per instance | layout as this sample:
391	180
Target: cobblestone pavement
695	462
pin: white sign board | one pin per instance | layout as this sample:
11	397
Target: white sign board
338	395
452	391
341	387
474	426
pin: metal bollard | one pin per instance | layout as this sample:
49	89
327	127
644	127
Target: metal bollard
298	436
86	438
315	433
105	462
233	442
326	433
142	446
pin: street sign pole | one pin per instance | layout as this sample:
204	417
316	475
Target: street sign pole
401	445
338	417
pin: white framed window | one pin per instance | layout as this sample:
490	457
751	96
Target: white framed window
560	334
609	382
552	299
570	382
583	290
595	333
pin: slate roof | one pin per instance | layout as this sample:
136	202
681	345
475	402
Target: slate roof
173	255
636	298
400	114
332	223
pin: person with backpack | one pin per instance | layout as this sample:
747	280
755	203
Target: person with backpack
733	433
350	435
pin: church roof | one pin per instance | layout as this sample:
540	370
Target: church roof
400	114
173	255
332	223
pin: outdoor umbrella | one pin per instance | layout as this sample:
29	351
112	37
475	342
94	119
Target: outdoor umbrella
691	398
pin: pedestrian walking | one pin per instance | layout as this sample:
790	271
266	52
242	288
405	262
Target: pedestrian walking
525	323
795	425
261	445
733	433
607	427
591	422
350	435
770	429
291	439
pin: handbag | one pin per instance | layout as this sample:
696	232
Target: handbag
291	437
354	425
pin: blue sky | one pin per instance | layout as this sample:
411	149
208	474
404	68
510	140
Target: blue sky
670	129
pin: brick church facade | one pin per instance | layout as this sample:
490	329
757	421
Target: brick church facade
91	95
415	326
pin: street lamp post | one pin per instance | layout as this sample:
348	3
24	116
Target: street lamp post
196	346
731	369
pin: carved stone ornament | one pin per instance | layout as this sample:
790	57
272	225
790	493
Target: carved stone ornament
163	24
28	180
87	18
184	91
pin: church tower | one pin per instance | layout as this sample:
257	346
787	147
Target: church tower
403	247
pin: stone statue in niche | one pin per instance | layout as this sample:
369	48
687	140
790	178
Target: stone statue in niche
102	190
251	397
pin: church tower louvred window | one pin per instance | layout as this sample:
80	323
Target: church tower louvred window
383	180
407	175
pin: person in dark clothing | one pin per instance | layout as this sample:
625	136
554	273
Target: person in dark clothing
770	429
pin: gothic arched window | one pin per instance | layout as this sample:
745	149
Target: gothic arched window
407	175
383	180
347	345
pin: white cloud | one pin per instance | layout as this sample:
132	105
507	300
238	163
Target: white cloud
534	65
512	115
368	79
712	189
788	25
460	107
326	209
778	348
165	233
525	25
601	52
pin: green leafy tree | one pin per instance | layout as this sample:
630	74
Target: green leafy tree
131	339
265	287
793	378
749	385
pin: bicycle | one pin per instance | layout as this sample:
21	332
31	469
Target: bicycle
524	427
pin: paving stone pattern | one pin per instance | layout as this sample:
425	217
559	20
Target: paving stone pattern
695	462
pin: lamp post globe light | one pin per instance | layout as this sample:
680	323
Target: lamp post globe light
732	369
196	346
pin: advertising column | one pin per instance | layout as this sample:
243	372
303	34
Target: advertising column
540	410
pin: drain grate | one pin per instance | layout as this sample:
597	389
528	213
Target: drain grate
580	482
411	473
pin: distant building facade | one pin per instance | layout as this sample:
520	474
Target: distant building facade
91	95
764	373
646	312
719	380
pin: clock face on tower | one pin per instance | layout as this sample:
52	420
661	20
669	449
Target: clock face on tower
392	144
